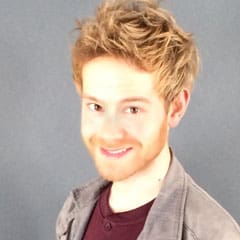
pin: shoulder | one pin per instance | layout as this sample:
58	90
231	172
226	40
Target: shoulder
205	219
80	198
66	215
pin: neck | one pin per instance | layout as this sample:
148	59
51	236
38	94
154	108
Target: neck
141	187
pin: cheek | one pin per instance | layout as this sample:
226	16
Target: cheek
141	128
135	131
89	125
132	125
145	133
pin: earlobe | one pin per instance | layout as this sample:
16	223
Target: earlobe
178	108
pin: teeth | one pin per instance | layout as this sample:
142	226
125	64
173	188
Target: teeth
117	151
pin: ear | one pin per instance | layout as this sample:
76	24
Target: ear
178	107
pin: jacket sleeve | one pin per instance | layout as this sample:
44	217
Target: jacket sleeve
65	219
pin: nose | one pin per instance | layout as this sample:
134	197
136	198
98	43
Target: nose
111	129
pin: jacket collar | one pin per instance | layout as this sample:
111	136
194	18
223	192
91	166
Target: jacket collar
165	218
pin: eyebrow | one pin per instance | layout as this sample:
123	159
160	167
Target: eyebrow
135	99
125	100
85	96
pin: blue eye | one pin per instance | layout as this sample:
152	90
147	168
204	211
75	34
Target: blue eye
94	107
133	110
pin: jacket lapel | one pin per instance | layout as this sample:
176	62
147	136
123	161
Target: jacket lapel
165	218
86	199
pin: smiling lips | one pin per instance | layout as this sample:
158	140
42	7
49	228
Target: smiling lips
115	153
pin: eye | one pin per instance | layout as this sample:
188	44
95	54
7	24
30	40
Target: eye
94	107
133	110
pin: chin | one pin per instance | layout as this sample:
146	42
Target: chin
113	172
111	175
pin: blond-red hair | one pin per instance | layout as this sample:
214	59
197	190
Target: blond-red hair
142	33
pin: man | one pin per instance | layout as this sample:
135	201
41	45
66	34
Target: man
134	69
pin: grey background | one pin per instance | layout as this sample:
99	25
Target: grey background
41	154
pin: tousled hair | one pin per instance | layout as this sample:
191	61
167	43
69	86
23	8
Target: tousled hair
142	33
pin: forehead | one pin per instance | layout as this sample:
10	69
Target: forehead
111	78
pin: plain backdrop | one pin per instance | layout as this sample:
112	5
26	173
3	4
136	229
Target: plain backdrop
41	154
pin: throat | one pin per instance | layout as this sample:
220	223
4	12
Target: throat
140	188
126	198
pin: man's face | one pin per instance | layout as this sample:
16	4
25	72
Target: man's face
123	123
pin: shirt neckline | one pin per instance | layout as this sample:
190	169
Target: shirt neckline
128	217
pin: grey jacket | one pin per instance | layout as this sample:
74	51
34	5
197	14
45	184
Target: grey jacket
182	211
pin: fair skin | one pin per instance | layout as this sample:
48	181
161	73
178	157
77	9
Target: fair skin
125	126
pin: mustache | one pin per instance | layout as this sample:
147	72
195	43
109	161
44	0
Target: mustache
114	143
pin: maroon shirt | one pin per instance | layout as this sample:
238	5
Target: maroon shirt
105	224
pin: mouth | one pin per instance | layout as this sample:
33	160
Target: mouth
115	153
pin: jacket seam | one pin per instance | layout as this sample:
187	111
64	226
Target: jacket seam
191	231
69	229
184	192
